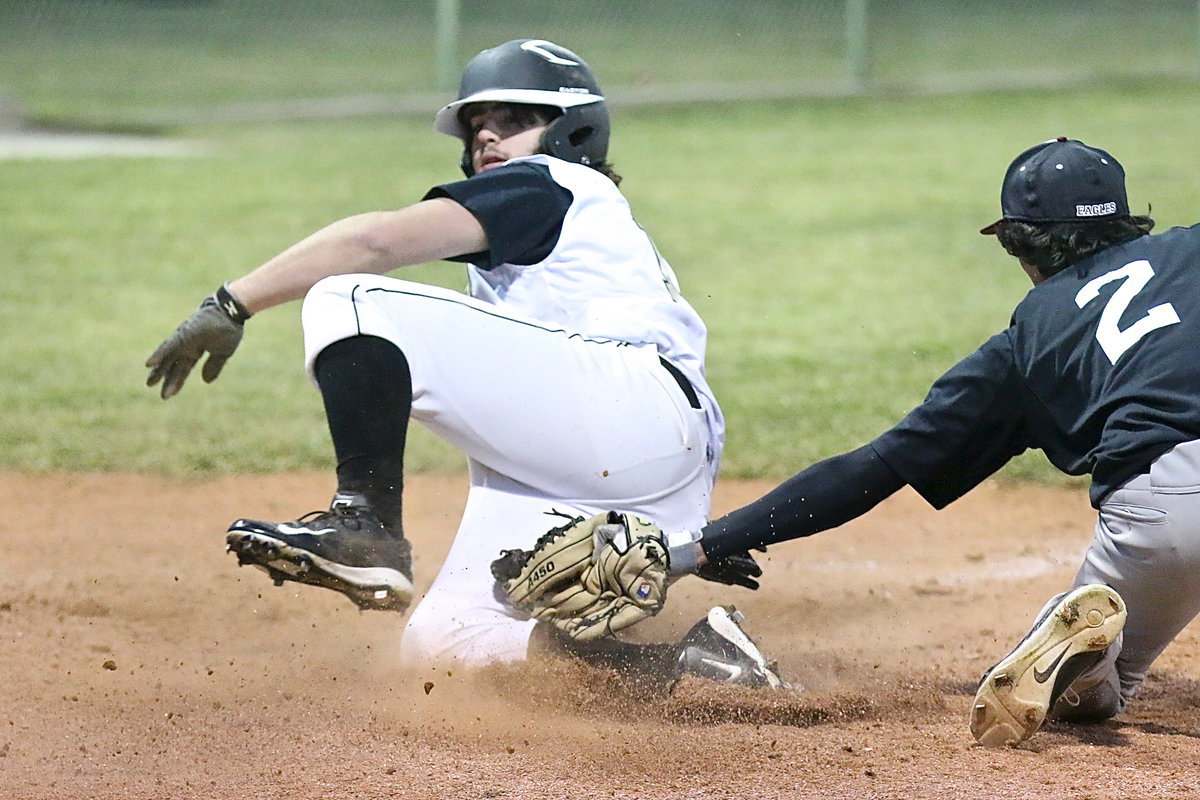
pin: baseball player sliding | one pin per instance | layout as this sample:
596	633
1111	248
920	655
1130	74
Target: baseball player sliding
1099	370
572	377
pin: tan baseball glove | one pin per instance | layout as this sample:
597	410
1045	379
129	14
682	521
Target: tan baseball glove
590	577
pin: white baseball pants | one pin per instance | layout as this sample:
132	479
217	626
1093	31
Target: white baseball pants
549	419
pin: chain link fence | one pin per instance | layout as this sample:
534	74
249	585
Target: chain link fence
156	60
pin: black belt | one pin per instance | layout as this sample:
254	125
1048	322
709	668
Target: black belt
683	382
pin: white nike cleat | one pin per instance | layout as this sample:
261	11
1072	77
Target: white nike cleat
1067	639
718	649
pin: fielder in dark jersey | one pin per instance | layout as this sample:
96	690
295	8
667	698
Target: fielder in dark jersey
1100	370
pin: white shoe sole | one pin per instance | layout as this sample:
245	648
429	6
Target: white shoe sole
379	588
1014	697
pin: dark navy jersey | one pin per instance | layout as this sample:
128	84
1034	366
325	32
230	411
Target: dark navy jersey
1099	368
521	208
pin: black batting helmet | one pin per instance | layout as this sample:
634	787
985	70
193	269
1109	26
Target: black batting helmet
536	72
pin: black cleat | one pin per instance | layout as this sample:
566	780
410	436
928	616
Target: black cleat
346	549
1070	637
718	649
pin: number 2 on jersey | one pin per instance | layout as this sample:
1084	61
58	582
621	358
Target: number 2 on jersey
1113	339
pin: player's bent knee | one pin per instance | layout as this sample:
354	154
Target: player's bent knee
338	285
432	640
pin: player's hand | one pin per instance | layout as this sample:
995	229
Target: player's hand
739	569
687	557
215	328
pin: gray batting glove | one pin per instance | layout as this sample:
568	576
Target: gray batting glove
214	328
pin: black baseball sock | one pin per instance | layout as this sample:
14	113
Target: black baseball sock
367	388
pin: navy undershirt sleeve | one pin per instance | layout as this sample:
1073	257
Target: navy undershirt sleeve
827	494
521	208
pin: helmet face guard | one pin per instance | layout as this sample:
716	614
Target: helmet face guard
535	72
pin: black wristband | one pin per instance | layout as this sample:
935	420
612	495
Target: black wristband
230	305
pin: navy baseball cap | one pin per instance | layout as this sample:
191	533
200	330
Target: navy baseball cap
1062	180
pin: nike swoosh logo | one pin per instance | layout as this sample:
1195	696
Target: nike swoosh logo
732	670
1042	677
293	529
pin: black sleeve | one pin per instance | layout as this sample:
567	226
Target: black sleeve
520	207
827	494
971	424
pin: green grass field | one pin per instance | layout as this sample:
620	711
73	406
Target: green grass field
830	244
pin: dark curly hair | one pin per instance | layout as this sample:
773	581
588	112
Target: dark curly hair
1054	246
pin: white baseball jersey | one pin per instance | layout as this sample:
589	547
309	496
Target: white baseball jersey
601	274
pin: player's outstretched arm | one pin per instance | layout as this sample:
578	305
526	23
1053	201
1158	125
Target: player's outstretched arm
824	496
376	242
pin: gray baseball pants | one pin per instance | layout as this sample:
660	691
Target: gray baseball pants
1147	548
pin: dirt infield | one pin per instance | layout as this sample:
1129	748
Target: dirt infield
139	662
